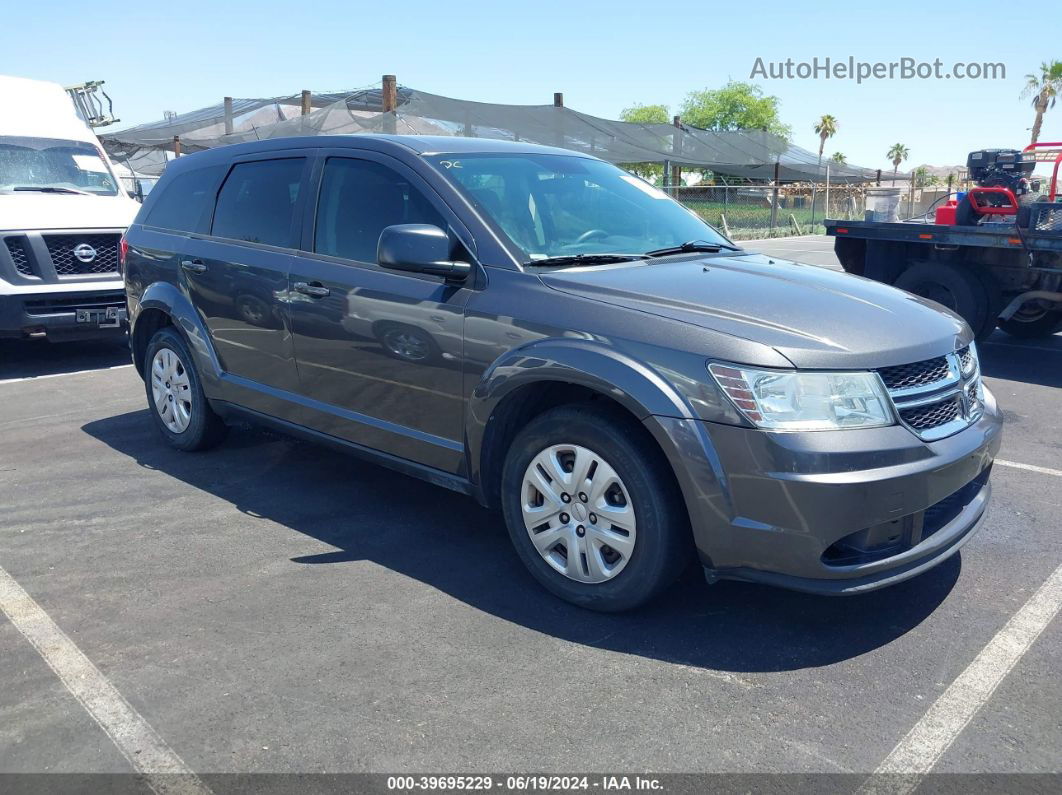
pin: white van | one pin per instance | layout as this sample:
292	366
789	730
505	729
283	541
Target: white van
62	214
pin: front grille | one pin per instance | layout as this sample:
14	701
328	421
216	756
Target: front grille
966	359
16	247
906	376
62	248
923	418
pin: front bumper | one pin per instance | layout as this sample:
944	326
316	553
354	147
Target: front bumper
55	314
832	512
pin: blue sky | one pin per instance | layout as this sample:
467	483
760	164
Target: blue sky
603	56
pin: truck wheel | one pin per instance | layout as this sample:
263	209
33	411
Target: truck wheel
175	395
1033	325
957	288
591	510
851	253
993	300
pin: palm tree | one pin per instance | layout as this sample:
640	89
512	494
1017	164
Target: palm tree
1044	88
839	157
897	154
825	128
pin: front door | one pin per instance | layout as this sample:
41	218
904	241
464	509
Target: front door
238	274
379	352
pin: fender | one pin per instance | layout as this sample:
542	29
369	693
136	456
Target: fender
169	299
631	383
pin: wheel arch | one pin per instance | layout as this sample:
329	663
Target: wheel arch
535	378
162	304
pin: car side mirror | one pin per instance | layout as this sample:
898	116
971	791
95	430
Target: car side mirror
419	248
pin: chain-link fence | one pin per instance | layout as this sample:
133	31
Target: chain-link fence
751	212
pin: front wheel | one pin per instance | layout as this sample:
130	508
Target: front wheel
955	287
592	510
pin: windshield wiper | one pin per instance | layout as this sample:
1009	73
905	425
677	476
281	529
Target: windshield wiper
51	189
584	259
691	245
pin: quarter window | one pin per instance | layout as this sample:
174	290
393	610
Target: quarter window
359	198
182	205
257	202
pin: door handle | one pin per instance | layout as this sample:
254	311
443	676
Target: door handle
314	289
193	265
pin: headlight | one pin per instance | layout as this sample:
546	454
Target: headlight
805	401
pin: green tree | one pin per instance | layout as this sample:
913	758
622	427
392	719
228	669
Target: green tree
839	157
1044	89
897	154
923	179
735	106
826	127
645	114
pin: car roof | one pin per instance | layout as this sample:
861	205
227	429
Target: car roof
418	144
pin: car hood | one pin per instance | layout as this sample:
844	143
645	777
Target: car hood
26	210
813	316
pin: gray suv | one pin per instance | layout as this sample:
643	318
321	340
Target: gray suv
558	339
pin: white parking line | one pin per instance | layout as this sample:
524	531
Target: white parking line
61	375
145	750
1029	467
914	756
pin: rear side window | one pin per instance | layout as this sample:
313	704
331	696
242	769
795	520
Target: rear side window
182	205
257	202
358	199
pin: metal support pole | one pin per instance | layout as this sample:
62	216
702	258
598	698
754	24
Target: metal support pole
228	115
307	103
826	204
666	179
558	134
676	171
558	99
176	146
774	196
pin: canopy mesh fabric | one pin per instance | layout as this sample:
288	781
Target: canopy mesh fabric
751	154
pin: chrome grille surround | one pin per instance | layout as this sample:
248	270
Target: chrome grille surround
934	399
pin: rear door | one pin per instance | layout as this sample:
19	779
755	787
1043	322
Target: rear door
237	277
379	352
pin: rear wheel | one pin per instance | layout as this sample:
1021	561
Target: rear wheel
175	395
591	510
1032	323
953	286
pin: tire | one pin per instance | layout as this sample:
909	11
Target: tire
1047	324
993	301
647	511
185	419
956	287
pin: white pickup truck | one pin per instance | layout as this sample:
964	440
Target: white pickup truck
62	214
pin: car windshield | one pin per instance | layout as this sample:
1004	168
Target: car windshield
54	166
564	205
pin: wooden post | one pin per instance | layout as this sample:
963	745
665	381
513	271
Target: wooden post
676	171
176	146
389	84
307	103
228	115
774	196
558	102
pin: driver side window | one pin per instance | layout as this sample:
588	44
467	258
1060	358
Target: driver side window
358	199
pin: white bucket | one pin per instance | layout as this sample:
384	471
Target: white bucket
883	204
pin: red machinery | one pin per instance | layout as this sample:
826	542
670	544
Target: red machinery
1003	181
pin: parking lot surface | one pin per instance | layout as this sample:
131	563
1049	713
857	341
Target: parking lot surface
272	606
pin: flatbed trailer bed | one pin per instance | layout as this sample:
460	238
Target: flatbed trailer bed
992	274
